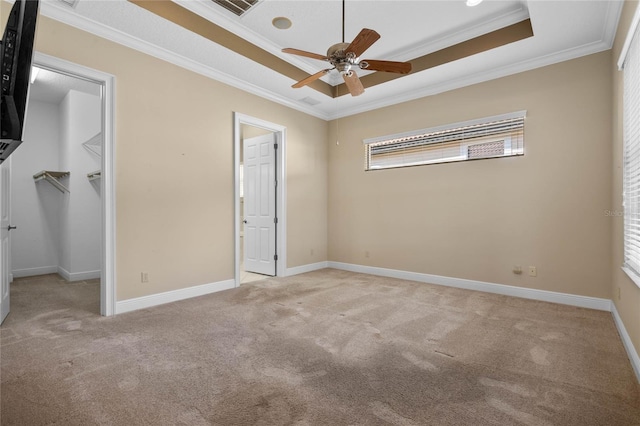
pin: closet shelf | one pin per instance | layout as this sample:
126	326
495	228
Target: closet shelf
94	175
52	177
94	145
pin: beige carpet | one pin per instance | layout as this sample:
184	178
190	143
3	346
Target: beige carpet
324	348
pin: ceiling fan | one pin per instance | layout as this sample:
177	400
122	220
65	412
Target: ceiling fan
346	56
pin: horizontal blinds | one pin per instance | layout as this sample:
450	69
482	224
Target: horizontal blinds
631	184
483	140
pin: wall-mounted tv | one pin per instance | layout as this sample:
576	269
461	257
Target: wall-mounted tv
16	49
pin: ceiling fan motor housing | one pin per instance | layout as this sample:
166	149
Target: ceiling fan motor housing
340	59
345	56
337	51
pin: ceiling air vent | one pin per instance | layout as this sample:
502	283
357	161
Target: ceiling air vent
310	101
70	3
237	7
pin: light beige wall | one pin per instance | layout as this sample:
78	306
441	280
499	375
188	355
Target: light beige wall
248	131
478	219
174	166
625	293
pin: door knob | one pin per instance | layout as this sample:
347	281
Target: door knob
9	228
245	221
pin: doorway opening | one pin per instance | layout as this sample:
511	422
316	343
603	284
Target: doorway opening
260	199
62	180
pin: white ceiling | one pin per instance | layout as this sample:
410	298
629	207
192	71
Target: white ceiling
52	87
562	30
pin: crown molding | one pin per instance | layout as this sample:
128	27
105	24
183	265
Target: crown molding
482	77
205	9
460	35
70	17
614	11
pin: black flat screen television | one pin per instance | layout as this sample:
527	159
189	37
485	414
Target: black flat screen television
16	51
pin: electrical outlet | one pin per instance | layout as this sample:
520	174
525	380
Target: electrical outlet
311	252
366	253
517	269
533	271
144	277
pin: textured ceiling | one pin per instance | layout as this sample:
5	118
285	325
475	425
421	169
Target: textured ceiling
409	29
51	87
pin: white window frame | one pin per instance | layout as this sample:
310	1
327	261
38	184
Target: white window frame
508	149
629	63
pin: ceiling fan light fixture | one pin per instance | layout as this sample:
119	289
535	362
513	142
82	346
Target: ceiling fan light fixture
281	23
472	3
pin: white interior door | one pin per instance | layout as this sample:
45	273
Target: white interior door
260	204
5	252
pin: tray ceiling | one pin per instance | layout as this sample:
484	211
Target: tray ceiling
245	51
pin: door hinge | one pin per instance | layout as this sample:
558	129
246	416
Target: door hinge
275	146
275	220
275	257
275	183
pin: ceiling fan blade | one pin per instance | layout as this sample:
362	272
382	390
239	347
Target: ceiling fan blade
386	66
311	78
306	54
362	42
353	83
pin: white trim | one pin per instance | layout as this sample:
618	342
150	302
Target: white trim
626	341
143	302
306	268
70	17
230	22
108	189
613	14
627	41
77	276
281	189
32	272
632	275
451	126
506	290
479	77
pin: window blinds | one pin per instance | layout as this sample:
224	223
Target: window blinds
631	183
486	138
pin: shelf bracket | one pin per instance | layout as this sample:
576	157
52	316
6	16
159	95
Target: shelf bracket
52	177
94	175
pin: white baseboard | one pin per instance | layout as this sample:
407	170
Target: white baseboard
506	290
77	276
306	268
626	341
171	296
32	272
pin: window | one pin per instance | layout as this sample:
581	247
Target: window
491	137
631	155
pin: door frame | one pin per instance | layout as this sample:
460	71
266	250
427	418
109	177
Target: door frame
107	181
280	133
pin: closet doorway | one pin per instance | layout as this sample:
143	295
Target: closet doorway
62	194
